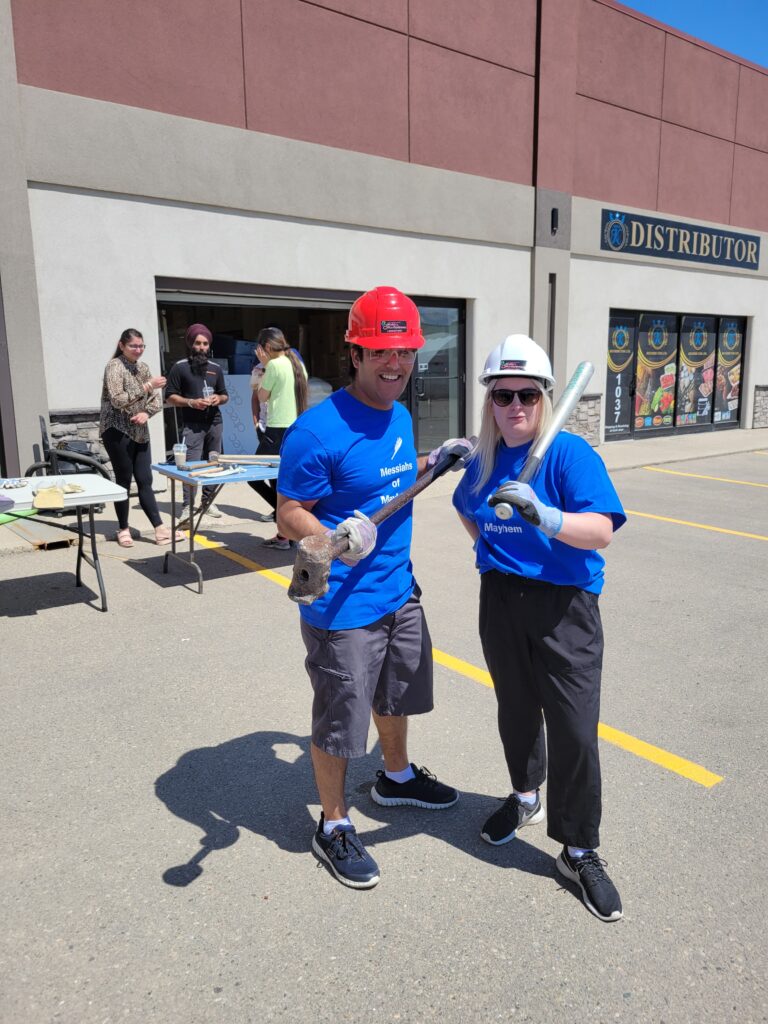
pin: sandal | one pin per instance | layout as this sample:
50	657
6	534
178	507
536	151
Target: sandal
124	538
163	535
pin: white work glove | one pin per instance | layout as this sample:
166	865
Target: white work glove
362	537
533	510
461	446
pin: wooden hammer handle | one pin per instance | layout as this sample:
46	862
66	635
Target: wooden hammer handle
316	552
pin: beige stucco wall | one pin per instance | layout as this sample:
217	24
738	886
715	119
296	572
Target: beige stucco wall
98	256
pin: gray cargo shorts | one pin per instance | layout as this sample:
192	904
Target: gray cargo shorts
385	667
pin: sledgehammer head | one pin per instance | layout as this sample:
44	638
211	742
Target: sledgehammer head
312	568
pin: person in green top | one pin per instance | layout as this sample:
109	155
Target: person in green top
284	388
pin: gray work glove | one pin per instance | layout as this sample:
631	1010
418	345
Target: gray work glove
533	510
461	446
362	537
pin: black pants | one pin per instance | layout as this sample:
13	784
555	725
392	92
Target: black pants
200	442
131	460
269	444
543	645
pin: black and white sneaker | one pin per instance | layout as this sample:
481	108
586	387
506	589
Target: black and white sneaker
513	814
346	856
600	895
422	791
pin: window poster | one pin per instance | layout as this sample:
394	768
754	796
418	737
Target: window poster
695	380
727	393
618	395
656	372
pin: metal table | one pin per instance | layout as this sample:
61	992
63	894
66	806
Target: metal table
96	490
184	477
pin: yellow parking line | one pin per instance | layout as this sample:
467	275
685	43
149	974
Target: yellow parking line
696	526
671	762
701	476
247	563
640	748
663	758
462	667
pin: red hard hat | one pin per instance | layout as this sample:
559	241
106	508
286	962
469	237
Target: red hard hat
384	318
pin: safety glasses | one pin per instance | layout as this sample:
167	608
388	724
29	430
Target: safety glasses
383	355
504	396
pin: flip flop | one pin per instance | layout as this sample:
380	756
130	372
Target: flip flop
124	539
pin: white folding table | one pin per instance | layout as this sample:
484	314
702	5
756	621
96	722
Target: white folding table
95	491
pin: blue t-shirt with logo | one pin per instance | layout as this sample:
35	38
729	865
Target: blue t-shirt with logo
347	456
571	477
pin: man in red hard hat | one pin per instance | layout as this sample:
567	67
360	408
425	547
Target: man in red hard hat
368	645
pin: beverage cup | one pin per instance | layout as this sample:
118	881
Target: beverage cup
180	456
207	392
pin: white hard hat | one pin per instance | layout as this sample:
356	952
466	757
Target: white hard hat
518	356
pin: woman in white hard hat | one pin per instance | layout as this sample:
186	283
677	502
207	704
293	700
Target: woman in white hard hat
541	576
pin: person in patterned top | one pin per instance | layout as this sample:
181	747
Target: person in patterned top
129	396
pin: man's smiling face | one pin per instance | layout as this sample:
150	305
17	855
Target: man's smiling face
382	375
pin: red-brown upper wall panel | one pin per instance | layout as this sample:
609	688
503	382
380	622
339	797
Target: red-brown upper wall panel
617	154
749	201
557	95
316	75
621	59
501	31
700	89
468	115
695	174
752	121
391	14
181	57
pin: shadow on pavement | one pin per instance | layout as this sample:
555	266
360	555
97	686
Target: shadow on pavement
263	782
32	594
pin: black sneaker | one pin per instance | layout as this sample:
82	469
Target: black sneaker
423	791
263	517
599	893
513	814
346	856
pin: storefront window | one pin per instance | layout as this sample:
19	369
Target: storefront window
671	372
730	339
437	385
656	372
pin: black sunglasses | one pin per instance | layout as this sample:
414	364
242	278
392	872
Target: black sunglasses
504	397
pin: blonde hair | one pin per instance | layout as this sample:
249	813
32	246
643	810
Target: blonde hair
489	438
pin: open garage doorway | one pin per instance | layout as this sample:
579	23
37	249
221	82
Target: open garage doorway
314	323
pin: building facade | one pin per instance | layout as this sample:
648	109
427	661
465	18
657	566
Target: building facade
564	168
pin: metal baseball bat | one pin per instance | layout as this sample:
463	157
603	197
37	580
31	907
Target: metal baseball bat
569	399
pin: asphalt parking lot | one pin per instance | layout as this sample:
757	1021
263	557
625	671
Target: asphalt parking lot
159	803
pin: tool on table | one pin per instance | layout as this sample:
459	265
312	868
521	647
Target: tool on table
245	460
313	560
568	402
216	471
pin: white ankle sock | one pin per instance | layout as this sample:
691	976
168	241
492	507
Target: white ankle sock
329	826
527	801
404	776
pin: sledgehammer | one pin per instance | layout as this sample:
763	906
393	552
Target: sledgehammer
313	560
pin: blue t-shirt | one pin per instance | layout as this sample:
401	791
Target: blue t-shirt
347	456
571	477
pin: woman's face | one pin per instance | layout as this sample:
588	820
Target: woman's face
516	421
132	349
